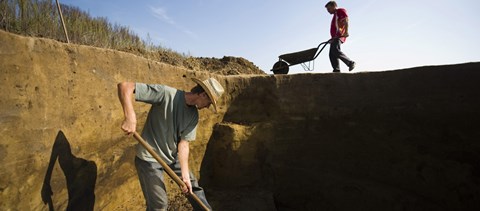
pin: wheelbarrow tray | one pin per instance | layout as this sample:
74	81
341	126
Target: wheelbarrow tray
299	57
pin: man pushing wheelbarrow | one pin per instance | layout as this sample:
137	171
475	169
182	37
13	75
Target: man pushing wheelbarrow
339	34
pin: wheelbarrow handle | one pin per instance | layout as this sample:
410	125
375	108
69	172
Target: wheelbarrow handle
321	49
169	171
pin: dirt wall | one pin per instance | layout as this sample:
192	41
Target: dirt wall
48	87
397	140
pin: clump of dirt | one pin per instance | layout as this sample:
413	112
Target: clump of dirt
228	65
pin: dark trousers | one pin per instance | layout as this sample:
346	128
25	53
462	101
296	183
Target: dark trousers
150	175
336	54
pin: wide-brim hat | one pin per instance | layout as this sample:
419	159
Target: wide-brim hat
213	89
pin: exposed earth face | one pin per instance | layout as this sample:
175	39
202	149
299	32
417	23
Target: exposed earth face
397	140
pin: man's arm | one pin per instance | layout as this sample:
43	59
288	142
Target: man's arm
345	23
125	93
183	151
342	22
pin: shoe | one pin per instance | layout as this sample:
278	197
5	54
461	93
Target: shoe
351	67
336	71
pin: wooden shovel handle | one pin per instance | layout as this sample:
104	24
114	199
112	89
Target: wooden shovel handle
167	168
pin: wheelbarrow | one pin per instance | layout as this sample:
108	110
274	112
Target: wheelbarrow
305	58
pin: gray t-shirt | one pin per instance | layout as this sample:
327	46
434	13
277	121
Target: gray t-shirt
169	121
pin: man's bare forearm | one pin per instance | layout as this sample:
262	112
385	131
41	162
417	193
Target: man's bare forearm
346	27
125	93
345	22
183	152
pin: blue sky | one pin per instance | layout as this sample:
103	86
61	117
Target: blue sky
384	34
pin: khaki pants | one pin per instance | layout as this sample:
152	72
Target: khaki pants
150	175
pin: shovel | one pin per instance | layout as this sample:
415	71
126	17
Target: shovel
169	171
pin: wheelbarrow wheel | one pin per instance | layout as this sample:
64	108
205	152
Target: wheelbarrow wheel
280	67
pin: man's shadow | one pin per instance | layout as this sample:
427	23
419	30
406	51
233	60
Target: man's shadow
80	174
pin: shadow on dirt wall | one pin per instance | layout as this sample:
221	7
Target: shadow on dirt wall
80	175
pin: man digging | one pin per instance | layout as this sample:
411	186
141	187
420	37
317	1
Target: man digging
171	124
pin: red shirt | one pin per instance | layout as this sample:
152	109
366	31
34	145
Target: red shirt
337	28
